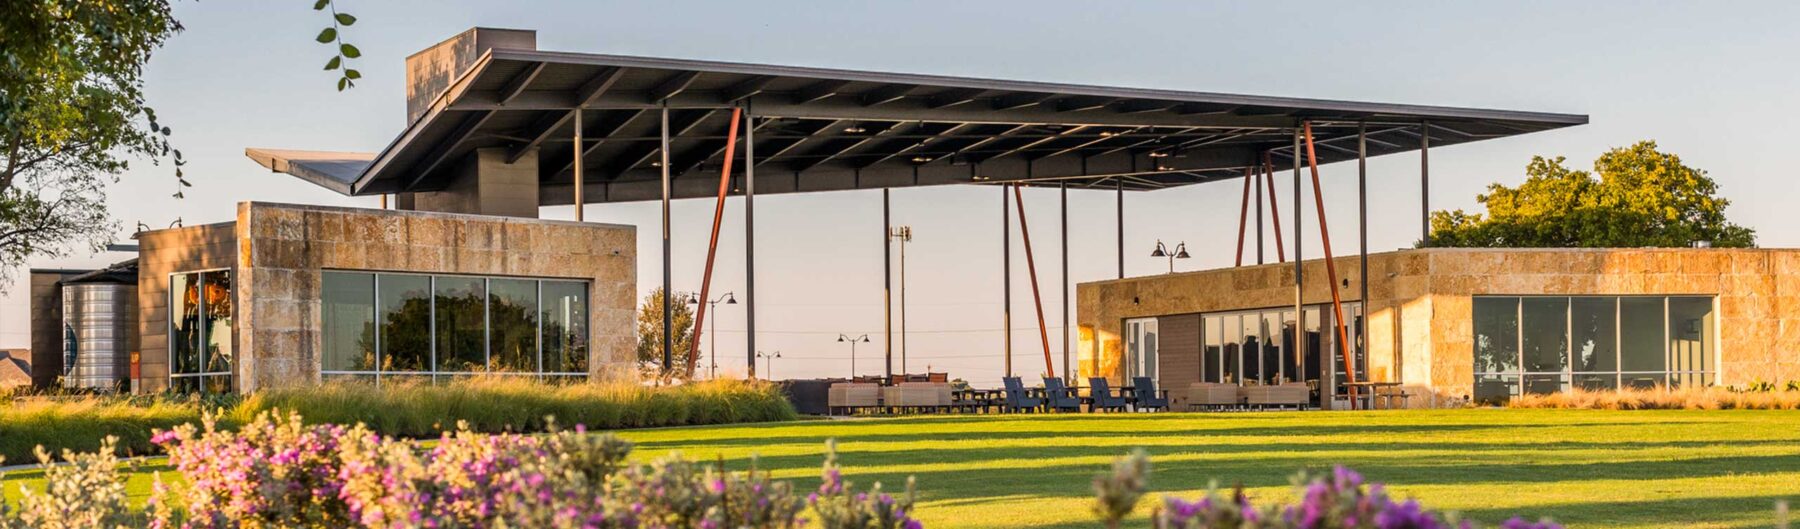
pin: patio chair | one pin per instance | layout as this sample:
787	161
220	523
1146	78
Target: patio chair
1017	399
1103	396
1059	397
1148	398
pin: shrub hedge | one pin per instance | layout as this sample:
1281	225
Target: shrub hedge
490	405
1661	398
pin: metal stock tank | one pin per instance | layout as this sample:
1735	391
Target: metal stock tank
96	330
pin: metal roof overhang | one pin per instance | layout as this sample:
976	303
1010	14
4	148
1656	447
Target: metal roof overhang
825	129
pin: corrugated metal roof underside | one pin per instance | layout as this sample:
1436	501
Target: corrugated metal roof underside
819	129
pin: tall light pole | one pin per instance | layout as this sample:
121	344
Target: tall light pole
713	327
903	234
768	363
1163	251
846	338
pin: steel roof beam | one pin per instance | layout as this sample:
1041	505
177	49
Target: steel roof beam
590	91
886	94
672	86
518	83
602	132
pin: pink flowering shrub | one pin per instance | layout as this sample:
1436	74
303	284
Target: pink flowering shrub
839	506
278	472
1340	500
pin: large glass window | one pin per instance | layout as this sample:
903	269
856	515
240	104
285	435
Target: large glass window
200	331
411	326
564	316
1211	331
1544	344
347	322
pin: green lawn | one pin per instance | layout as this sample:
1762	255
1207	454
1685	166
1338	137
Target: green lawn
1585	468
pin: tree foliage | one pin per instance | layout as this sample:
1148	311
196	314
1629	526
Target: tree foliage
72	113
649	328
1636	196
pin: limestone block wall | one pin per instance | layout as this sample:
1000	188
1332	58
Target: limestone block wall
1420	328
283	249
164	252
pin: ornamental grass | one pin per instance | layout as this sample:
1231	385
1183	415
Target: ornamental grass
489	405
1662	398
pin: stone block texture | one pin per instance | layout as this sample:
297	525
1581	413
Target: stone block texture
1420	330
278	251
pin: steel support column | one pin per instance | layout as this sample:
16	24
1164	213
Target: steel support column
580	202
1258	184
750	242
668	318
1037	298
712	245
1337	302
1300	282
1006	277
887	284
1425	183
1275	211
1243	217
1063	189
1362	247
1119	187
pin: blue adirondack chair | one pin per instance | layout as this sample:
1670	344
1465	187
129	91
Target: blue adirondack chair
1147	398
1103	396
1017	399
1059	397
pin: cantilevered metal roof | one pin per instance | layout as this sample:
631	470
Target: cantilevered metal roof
824	129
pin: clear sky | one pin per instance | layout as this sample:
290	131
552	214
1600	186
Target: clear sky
1713	82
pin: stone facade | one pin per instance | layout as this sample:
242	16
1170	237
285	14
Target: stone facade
1420	326
277	252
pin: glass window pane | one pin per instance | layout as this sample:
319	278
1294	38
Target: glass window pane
1546	335
513	324
1597	382
405	302
461	319
1496	335
1268	323
1641	335
184	324
1250	325
1544	384
1314	346
1234	346
347	321
1690	336
1214	331
1495	389
565	327
1595	335
217	288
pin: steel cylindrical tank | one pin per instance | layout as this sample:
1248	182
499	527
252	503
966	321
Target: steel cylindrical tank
96	330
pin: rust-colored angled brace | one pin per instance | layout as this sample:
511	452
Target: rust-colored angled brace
1274	210
1337	303
1243	214
712	248
1031	267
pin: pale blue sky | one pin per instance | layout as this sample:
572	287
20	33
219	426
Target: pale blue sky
1713	82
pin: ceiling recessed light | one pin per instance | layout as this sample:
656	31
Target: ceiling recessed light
1164	168
854	129
1159	154
921	159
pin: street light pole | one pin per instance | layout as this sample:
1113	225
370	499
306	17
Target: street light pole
768	363
846	338
904	235
1163	251
713	329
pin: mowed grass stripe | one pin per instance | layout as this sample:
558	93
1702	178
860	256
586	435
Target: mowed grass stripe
1624	469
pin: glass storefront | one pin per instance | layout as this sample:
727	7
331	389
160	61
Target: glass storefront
200	331
1547	344
1256	347
390	327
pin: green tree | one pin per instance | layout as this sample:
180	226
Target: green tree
72	113
649	328
1636	196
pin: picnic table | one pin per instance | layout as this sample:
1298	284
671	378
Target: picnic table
1372	392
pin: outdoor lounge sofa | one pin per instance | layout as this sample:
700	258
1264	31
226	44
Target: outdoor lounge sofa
1275	396
1212	395
847	397
916	396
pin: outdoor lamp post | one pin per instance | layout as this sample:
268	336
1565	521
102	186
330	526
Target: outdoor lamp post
712	329
768	363
846	338
1163	251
